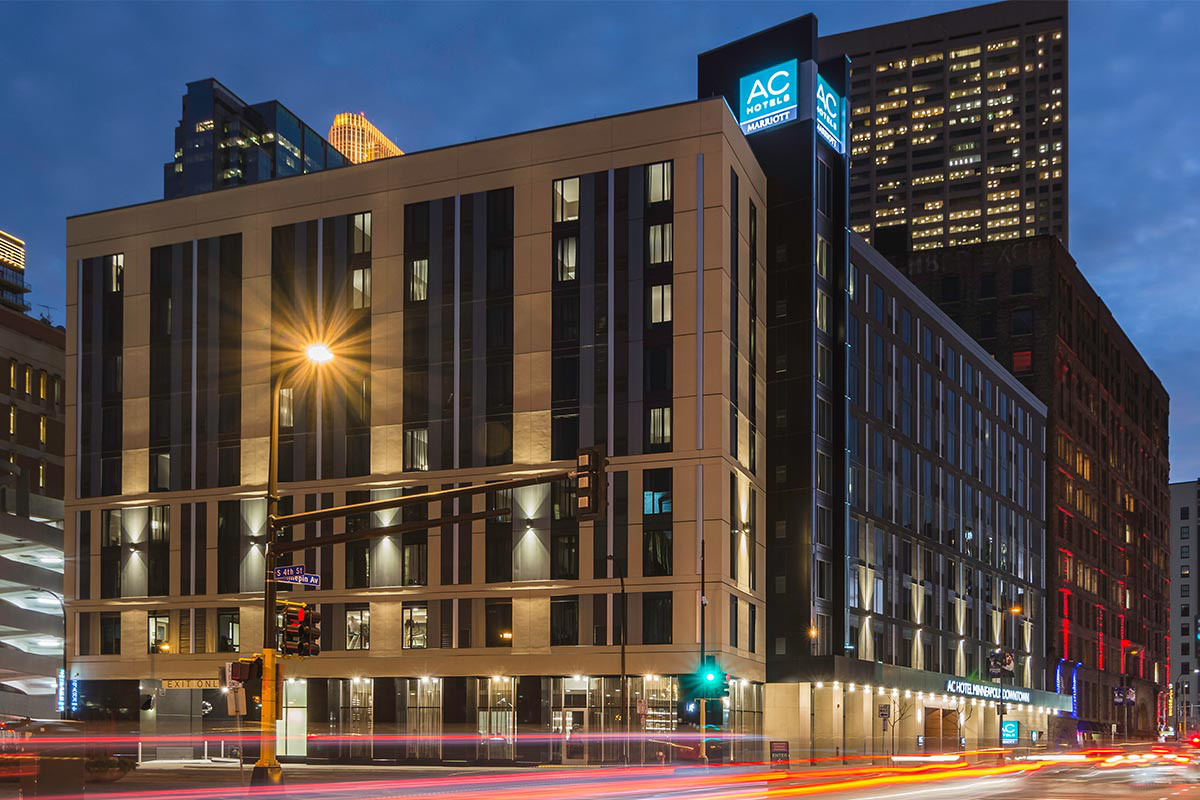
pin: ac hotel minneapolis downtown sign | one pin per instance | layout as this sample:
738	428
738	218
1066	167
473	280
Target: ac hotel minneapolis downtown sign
989	691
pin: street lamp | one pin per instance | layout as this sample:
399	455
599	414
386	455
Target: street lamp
267	771
62	687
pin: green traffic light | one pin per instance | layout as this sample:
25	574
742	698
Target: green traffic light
710	677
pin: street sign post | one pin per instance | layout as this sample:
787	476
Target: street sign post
294	573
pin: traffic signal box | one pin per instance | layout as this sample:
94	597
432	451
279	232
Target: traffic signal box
300	633
709	682
591	489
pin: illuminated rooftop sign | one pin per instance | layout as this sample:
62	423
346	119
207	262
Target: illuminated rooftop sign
988	691
768	98
831	121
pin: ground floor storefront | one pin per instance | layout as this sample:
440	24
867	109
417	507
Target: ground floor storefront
575	719
893	711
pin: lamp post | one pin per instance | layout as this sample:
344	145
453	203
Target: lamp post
267	771
1124	685
66	676
620	570
1015	611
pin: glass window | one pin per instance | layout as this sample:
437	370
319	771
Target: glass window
362	233
110	634
159	633
12	374
358	628
498	623
566	252
229	632
42	428
416	449
660	303
12	420
566	199
824	188
414	625
656	618
1021	321
658	182
1185	532
822	311
824	360
564	555
1022	280
418	280
360	281
660	425
662	246
287	407
414	559
564	621
824	257
28	379
657	553
656	491
987	285
42	478
42	384
1022	361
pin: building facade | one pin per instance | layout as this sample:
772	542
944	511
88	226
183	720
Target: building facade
1185	626
12	273
537	293
359	141
1030	306
222	141
905	503
31	514
958	126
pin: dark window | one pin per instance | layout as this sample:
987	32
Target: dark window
656	618
498	621
564	621
414	562
752	628
824	188
657	553
733	622
564	555
358	564
987	285
110	634
987	326
1022	281
950	290
1021	322
229	631
498	545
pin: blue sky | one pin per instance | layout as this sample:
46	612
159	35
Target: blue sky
91	95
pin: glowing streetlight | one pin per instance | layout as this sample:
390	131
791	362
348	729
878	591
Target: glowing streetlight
318	353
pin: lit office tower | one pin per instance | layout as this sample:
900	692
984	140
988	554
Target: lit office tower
360	141
958	126
12	273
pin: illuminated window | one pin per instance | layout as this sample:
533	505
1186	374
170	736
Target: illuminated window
416	449
41	474
660	303
42	384
824	256
362	233
12	374
418	280
1022	361
565	255
414	618
28	379
662	245
660	425
42	428
12	420
566	200
822	311
360	293
358	629
658	182
286	408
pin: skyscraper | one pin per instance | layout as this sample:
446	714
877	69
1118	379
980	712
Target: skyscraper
222	141
12	273
360	141
1184	635
958	126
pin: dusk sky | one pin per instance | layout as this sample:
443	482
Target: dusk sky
91	93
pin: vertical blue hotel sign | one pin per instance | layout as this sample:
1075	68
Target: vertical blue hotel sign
768	98
831	122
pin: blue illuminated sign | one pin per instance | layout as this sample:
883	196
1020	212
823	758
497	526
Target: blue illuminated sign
62	690
830	116
74	695
1010	731
768	98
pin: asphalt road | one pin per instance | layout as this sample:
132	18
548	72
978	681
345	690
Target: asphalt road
396	783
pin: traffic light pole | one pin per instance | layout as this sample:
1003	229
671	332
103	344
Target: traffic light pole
703	662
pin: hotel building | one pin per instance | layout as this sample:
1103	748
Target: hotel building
852	484
1184	634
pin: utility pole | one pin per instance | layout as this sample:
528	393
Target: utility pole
703	657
